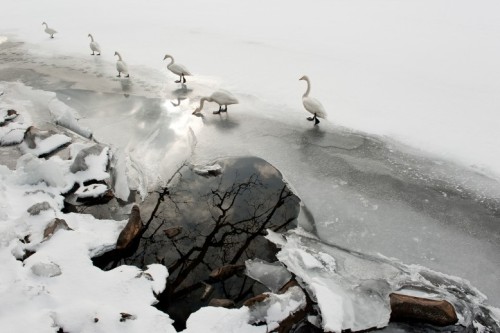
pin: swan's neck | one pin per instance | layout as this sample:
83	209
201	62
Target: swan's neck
46	25
91	38
308	88
171	60
202	101
119	56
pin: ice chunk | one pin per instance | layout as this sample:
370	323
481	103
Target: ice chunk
342	303
208	170
272	275
276	308
67	117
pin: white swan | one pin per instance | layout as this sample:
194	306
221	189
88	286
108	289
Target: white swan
177	69
312	104
94	46
121	66
221	97
48	30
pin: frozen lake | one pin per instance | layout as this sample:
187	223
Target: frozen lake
360	192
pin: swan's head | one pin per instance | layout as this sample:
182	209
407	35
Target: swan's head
44	23
167	56
304	78
89	35
116	53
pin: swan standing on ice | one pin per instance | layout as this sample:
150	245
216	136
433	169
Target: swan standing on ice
221	97
312	104
177	69
48	30
121	66
94	46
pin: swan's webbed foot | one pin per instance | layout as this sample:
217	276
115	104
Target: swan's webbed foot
224	110
177	81
310	118
119	74
128	75
99	53
316	121
51	36
92	53
218	111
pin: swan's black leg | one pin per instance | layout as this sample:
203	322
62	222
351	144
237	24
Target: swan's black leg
218	111
183	79
119	74
51	36
316	120
92	53
225	109
180	79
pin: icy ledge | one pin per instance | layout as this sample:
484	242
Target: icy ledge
352	290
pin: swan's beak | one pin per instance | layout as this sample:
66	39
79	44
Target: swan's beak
165	57
302	78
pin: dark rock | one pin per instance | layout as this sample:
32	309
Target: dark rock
256	299
54	226
131	230
126	316
79	162
288	285
411	308
172	232
221	302
39	207
32	133
27	254
96	320
99	200
147	276
11	114
225	272
207	291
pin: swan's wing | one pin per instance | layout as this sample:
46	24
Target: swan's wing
224	97
122	66
95	46
179	69
314	106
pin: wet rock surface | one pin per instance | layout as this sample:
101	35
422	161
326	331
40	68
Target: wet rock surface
418	309
223	220
131	230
